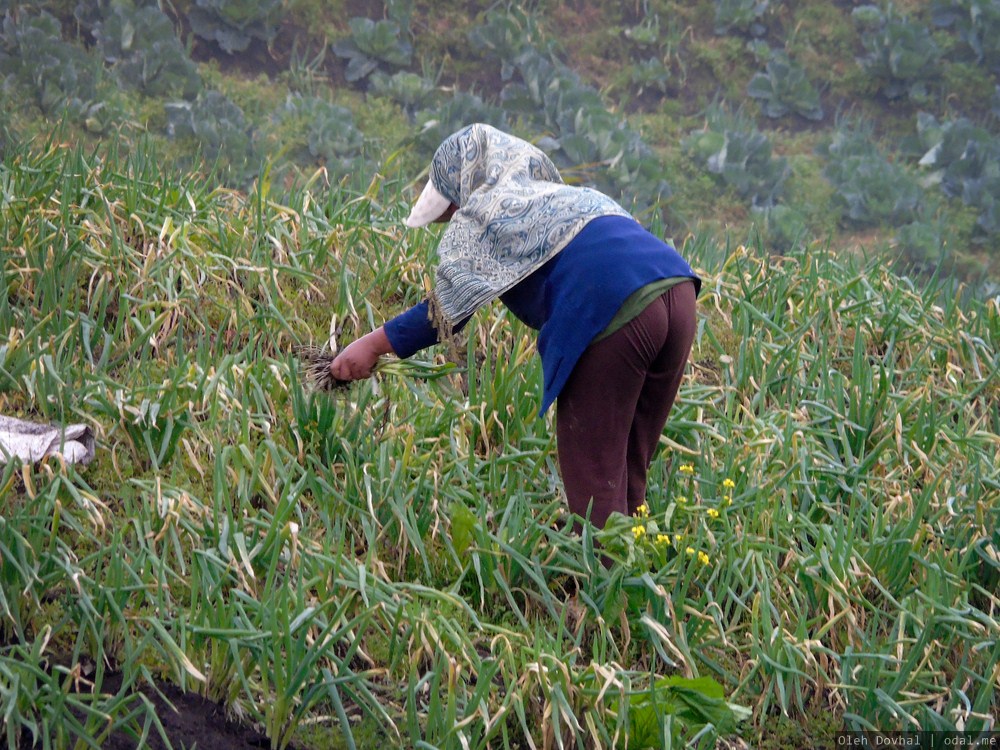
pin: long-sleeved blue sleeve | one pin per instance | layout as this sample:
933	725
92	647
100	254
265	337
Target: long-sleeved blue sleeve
413	330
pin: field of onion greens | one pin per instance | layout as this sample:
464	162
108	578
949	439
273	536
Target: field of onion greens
394	564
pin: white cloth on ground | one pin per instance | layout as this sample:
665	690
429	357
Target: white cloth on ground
32	442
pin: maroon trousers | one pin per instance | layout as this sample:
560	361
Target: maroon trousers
611	412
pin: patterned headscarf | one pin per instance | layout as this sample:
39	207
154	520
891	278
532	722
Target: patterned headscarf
514	214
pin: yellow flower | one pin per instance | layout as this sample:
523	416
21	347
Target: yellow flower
727	499
687	469
703	558
681	500
712	513
638	531
678	538
663	539
728	483
690	550
642	511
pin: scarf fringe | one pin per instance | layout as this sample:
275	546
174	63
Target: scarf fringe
440	321
452	340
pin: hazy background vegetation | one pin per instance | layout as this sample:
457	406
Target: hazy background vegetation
871	128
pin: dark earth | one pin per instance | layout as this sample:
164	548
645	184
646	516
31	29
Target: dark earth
189	720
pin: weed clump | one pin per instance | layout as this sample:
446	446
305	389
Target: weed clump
314	363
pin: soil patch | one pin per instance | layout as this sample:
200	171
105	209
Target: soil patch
188	720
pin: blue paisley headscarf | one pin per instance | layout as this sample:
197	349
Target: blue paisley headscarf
514	214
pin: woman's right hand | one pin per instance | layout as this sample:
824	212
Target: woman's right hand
358	359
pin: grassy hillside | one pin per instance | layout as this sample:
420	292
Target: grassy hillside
394	564
873	128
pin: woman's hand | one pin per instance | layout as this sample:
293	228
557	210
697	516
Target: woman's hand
359	358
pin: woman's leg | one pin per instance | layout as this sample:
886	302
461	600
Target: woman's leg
660	388
593	419
603	448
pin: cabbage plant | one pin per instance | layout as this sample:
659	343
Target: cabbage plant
871	190
233	24
740	15
145	53
965	159
411	91
784	88
62	76
373	44
731	148
329	133
507	34
220	130
977	23
901	54
651	73
649	70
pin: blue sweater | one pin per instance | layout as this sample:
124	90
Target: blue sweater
571	299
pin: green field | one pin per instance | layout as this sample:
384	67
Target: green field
393	565
393	562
